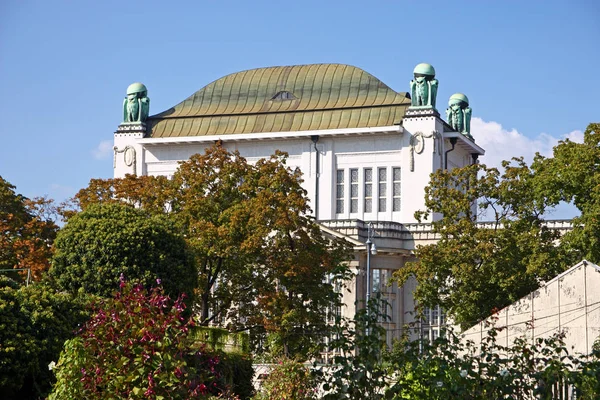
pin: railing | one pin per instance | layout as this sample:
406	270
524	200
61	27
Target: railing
407	236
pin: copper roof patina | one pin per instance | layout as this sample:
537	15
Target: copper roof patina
282	99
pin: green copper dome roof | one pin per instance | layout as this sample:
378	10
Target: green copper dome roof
458	97
280	99
424	69
136	88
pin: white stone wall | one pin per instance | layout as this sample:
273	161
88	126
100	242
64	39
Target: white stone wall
569	303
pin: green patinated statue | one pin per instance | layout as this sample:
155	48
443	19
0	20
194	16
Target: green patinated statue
423	88
136	105
458	114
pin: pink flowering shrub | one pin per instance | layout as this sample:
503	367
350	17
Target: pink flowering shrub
136	347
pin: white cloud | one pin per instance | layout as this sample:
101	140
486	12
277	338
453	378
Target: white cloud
503	144
103	150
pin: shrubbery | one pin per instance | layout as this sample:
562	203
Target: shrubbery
34	323
289	380
237	372
135	346
451	368
106	240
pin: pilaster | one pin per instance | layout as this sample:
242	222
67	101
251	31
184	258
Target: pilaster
127	151
424	148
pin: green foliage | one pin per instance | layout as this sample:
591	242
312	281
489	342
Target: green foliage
18	347
473	269
34	323
221	339
104	241
259	255
572	175
452	368
289	380
235	364
357	371
136	347
238	373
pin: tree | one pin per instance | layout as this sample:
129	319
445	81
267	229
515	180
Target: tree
261	259
572	175
136	347
34	323
358	345
27	230
473	269
104	241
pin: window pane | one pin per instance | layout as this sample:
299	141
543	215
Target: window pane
354	205
368	205
382	174
339	192
353	190
382	205
376	282
368	174
382	189
353	175
396	190
368	190
434	316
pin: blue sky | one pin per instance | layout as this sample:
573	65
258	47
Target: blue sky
528	68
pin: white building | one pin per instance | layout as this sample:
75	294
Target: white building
365	150
568	304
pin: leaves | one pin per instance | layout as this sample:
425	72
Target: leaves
27	231
34	323
104	241
261	260
136	347
475	268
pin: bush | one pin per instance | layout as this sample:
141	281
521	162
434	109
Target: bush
238	372
136	347
104	241
35	321
289	380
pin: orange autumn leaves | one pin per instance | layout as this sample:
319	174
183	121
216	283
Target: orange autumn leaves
27	231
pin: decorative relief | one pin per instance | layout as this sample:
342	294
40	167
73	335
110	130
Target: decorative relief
129	157
417	145
132	128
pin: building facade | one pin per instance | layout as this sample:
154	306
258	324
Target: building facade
365	150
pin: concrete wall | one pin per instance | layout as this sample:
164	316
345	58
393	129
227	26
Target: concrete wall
569	303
